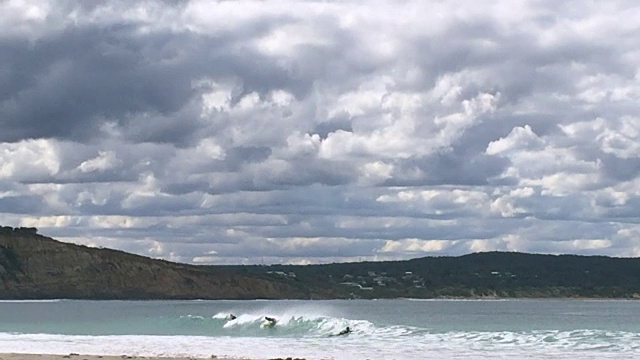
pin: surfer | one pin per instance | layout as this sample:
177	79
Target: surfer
232	317
346	331
270	321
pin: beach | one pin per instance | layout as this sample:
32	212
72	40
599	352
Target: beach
88	357
74	356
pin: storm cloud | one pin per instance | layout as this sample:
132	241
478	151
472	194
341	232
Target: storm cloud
305	132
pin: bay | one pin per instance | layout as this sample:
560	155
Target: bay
381	329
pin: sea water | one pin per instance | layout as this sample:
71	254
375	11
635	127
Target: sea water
381	329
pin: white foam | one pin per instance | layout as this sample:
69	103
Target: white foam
356	347
304	330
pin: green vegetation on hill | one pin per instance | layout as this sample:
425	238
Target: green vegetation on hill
37	267
489	274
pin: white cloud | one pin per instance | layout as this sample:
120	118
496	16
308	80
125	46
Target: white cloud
147	188
297	131
415	246
47	221
619	137
28	159
506	205
519	139
208	149
564	183
104	161
302	145
25	18
375	172
440	198
590	244
286	39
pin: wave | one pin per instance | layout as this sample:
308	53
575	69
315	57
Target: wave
287	325
582	344
310	326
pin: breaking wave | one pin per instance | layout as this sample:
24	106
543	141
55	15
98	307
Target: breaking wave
310	326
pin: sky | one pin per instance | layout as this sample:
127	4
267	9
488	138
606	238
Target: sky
299	132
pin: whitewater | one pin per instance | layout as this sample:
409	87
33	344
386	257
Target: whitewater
381	329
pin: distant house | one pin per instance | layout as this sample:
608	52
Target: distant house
348	283
289	275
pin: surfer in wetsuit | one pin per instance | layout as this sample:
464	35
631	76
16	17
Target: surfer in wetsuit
232	317
270	321
346	331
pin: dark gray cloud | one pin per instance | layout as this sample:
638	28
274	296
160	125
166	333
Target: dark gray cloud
218	132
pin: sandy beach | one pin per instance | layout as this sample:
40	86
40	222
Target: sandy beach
101	357
122	357
89	357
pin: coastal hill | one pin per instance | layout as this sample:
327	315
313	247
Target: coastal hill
478	275
33	266
37	267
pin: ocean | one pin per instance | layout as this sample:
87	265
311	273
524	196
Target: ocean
381	329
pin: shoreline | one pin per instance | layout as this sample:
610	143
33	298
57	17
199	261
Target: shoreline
46	300
75	356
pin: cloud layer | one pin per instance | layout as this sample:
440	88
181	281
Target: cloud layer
304	132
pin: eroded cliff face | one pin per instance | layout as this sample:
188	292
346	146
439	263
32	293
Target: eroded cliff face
35	267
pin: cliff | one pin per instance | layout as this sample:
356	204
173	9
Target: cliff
37	267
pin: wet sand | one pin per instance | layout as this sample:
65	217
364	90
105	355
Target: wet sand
100	357
123	357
